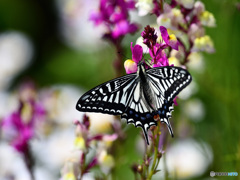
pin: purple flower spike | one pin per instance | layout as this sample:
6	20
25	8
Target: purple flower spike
114	15
20	126
123	27
169	40
149	36
137	52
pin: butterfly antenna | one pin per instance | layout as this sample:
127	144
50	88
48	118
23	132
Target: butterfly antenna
145	134
123	55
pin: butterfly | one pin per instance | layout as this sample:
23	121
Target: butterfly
138	97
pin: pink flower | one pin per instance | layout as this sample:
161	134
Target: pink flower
170	40
131	64
114	15
19	127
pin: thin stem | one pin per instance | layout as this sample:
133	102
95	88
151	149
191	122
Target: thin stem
28	159
165	167
156	158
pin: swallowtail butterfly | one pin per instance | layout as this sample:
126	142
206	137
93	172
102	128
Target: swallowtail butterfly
138	97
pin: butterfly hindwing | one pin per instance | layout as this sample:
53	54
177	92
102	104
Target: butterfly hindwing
166	83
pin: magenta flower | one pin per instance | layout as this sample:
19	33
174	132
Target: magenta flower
122	28
169	40
149	36
19	127
137	52
20	133
131	64
156	50
160	58
114	15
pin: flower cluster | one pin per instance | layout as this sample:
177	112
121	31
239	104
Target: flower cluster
150	162
84	142
156	49
114	16
19	127
185	19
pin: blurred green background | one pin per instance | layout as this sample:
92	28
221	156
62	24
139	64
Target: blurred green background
56	62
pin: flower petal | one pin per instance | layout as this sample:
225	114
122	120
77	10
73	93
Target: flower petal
164	34
173	42
130	66
137	52
169	40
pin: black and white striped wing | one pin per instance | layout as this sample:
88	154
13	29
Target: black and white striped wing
166	83
169	80
125	96
111	97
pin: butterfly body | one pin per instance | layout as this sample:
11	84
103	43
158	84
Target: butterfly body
138	97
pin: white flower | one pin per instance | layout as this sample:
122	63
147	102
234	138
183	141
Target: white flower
199	7
144	7
100	123
207	19
188	4
203	43
195	31
173	60
194	109
164	20
106	161
144	46
12	164
187	92
75	24
9	103
187	159
56	149
15	54
196	62
60	101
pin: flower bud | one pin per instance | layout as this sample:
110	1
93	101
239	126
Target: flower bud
139	168
80	143
207	19
130	66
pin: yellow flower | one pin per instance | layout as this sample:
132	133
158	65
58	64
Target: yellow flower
80	143
130	66
207	19
67	172
26	112
100	123
173	60
69	176
105	159
203	43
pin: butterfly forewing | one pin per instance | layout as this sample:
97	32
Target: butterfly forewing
169	80
110	97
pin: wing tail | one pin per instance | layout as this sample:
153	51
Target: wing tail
145	130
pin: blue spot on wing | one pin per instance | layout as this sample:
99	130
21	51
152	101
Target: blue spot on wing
144	120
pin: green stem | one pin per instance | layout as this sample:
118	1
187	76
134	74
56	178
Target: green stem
156	158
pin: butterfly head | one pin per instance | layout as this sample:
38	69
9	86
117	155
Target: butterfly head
141	67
